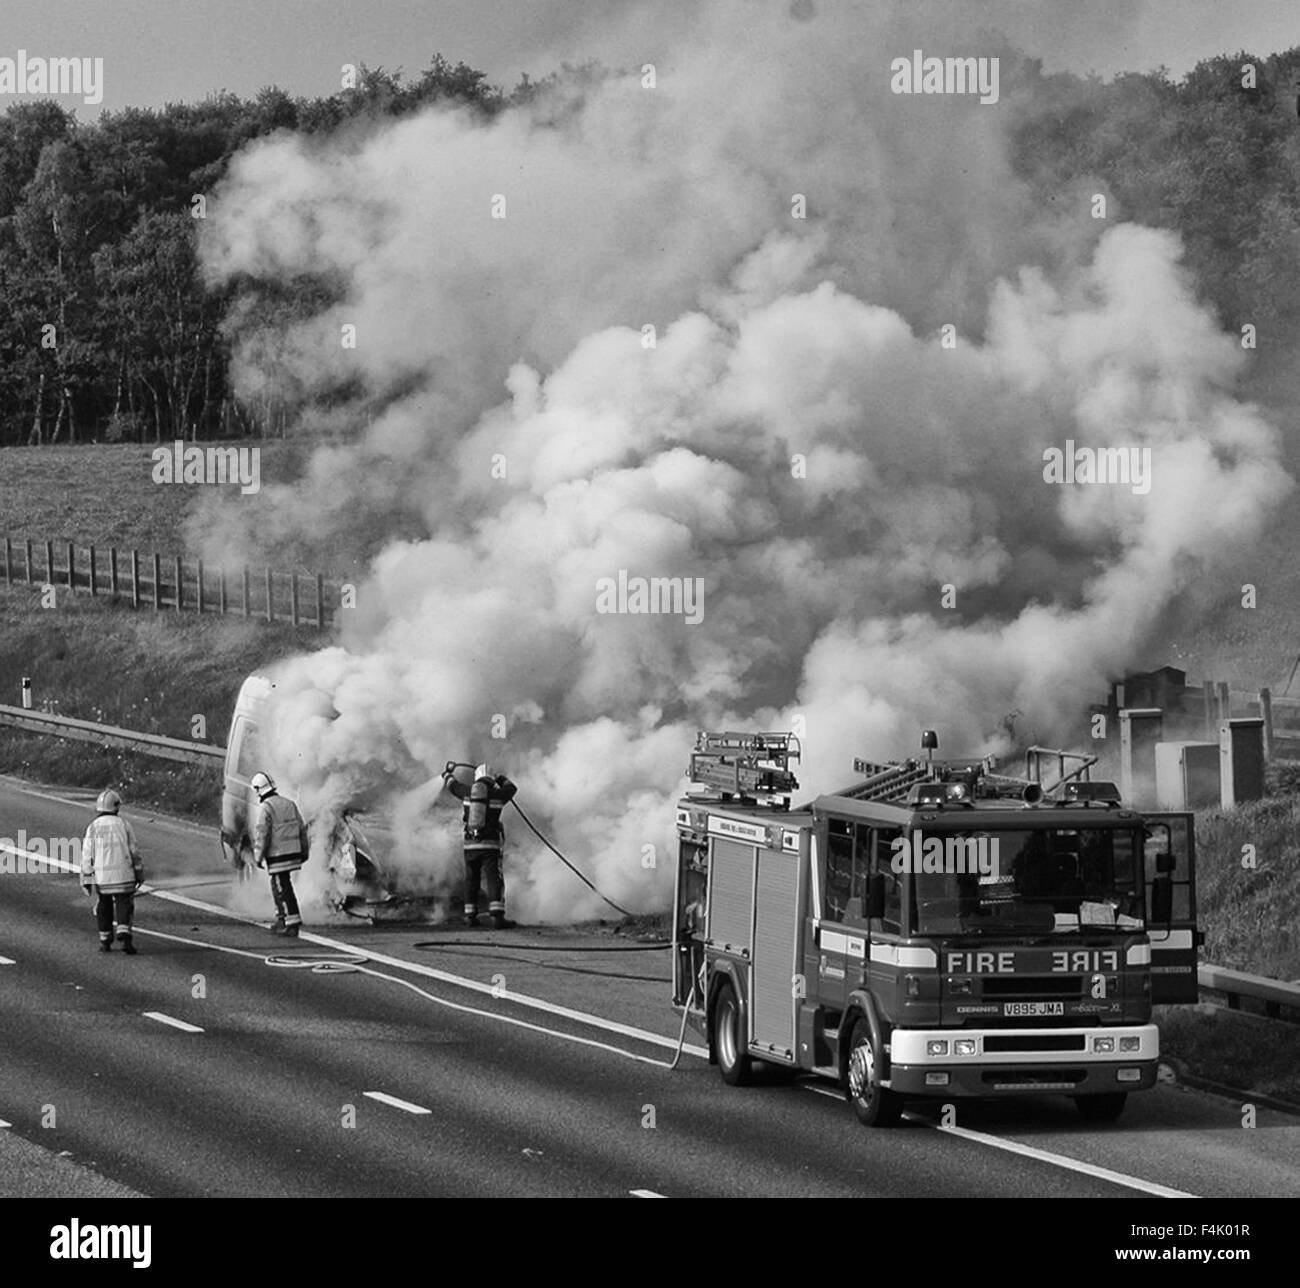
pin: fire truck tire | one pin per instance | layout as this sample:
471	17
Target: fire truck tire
729	1038
1101	1109
874	1105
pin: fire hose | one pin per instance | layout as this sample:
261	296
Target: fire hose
532	827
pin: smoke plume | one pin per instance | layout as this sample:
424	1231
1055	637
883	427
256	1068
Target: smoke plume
837	424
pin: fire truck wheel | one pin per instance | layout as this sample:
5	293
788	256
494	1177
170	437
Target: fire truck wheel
1101	1109
874	1105
729	1038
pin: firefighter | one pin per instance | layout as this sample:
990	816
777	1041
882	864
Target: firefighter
111	871
484	839
279	846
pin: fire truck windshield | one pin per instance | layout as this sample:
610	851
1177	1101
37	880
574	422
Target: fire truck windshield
1039	880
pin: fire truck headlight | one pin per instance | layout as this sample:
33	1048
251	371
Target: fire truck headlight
937	1047
965	1046
1128	1075
1103	1044
1130	1044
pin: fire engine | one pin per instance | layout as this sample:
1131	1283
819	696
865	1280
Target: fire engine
936	929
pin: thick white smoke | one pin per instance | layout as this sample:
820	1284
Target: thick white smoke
798	437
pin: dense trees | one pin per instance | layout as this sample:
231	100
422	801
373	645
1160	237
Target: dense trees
107	331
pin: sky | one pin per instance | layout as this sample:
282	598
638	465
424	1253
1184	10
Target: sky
159	51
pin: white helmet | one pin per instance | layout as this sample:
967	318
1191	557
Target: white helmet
108	801
263	785
483	771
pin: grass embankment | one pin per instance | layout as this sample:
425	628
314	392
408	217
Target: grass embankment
152	672
148	671
1249	915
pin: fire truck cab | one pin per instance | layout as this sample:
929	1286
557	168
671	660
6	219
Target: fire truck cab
934	930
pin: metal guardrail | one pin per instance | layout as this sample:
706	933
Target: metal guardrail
1235	985
194	753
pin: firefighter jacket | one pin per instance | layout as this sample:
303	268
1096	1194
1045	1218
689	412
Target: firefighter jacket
484	801
110	858
279	835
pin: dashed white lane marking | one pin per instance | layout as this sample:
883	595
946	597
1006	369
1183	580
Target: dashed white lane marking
397	1104
355	962
167	1019
5	1124
1029	1151
416	968
646	1194
7	961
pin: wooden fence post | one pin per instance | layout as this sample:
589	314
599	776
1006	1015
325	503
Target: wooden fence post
293	598
27	554
71	561
179	578
244	600
221	583
135	578
92	570
270	603
113	584
157	577
320	602
1225	701
49	562
200	603
1266	710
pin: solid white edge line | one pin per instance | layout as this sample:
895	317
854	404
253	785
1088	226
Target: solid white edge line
417	968
397	1104
167	1019
646	1194
7	961
1042	1155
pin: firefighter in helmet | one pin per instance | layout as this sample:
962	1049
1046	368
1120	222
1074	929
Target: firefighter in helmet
485	837
279	846
111	871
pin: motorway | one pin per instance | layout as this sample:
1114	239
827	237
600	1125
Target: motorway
483	1067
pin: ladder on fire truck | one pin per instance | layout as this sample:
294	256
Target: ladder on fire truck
751	768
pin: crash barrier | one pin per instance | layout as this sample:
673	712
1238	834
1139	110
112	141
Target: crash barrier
174	582
196	753
1281	1001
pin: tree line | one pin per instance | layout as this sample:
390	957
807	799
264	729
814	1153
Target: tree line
109	333
107	329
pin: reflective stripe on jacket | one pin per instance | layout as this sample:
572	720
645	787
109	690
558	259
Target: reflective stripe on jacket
110	857
279	835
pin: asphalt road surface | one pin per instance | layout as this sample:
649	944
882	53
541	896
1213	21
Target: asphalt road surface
224	1061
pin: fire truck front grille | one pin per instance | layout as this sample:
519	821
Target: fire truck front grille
1033	986
1035	1042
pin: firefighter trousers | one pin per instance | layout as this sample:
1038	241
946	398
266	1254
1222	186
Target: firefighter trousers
483	867
113	913
286	902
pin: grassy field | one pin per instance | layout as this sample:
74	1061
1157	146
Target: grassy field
100	494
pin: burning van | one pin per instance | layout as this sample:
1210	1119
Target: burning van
355	841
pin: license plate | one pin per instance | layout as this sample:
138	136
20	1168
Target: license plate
1034	1008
